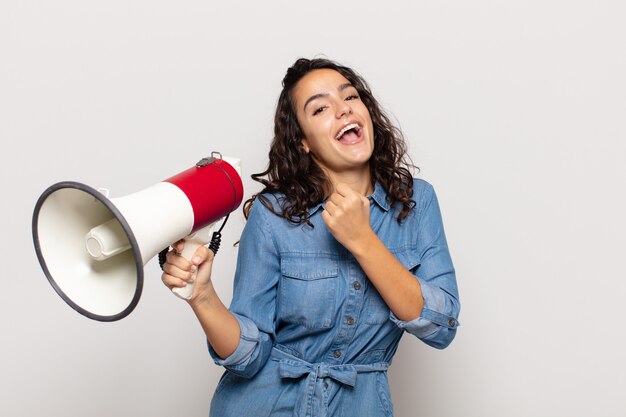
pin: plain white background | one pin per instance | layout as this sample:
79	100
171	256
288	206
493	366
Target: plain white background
514	111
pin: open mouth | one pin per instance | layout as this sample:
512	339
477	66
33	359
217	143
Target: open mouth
350	133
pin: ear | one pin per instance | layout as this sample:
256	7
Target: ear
305	146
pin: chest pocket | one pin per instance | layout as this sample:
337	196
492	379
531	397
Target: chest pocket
377	311
308	291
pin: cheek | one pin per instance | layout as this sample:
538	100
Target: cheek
307	126
317	130
367	115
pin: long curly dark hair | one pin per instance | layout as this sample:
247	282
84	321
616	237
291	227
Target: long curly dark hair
299	181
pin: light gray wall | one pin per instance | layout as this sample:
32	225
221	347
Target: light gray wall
513	110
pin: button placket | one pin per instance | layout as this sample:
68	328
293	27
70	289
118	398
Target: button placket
350	313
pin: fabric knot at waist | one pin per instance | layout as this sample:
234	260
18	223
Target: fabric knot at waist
309	401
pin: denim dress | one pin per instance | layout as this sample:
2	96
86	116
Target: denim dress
316	337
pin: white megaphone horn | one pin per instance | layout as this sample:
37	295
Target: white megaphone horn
93	249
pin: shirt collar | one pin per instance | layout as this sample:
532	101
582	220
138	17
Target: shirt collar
379	196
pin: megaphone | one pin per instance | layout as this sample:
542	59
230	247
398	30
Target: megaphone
93	249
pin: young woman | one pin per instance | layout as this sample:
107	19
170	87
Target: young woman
343	252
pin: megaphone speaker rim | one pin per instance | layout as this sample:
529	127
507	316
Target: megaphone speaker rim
127	230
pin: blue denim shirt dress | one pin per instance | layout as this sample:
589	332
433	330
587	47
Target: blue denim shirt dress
316	337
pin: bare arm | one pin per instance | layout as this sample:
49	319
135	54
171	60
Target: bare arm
220	326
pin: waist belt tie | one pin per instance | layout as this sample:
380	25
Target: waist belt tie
291	367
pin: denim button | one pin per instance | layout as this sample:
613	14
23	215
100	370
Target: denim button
357	285
337	353
350	321
451	322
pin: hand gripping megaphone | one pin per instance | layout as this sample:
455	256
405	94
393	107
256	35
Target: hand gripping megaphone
93	249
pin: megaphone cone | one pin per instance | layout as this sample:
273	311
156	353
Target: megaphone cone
93	249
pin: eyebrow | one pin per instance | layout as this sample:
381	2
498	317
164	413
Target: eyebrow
320	95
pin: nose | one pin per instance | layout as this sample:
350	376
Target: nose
343	109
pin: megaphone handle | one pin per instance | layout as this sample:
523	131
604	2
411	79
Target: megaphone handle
192	242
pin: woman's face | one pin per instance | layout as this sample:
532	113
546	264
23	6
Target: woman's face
337	127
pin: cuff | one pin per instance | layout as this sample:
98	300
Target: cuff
245	352
432	317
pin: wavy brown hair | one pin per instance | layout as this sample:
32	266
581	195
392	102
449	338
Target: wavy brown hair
299	181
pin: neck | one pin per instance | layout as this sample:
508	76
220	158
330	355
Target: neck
359	181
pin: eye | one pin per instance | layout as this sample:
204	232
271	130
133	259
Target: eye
319	110
353	97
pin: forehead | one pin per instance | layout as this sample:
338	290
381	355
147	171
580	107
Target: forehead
318	81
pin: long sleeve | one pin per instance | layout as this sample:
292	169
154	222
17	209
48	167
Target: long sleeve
254	295
439	319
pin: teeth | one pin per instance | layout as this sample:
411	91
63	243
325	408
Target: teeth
345	129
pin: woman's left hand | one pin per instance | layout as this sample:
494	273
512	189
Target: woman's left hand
347	217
